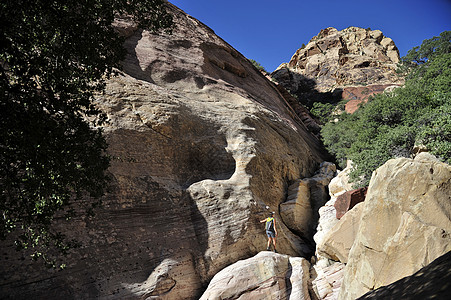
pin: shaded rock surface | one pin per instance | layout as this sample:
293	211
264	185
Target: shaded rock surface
265	276
200	142
430	282
304	198
405	224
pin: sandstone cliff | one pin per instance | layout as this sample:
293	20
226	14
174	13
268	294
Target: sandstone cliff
352	64
201	142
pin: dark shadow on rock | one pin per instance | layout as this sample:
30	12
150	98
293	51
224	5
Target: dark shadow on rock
304	88
130	65
288	285
431	282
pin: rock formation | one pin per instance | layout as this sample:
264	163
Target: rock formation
305	196
327	274
327	213
200	143
430	282
405	224
339	239
327	280
264	276
352	64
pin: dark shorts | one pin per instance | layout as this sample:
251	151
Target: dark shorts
270	233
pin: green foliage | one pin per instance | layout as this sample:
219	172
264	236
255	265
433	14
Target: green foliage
323	111
391	124
429	49
54	57
257	65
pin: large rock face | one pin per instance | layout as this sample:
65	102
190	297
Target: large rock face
405	224
353	63
201	142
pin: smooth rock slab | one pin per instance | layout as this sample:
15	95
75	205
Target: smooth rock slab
265	276
338	241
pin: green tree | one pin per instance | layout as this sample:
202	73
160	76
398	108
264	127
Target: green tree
391	124
257	65
55	55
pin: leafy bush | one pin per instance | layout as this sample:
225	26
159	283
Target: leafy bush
323	111
391	124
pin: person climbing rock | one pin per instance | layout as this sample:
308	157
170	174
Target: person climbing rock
271	231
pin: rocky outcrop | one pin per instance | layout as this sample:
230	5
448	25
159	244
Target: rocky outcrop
200	143
266	276
350	64
355	95
348	200
405	224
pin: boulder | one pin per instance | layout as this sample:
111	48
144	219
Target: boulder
265	276
340	183
348	200
200	143
327	273
339	239
405	224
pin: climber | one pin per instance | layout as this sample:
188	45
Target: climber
271	231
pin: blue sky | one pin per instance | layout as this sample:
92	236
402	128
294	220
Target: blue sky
271	31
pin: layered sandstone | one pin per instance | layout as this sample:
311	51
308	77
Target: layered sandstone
200	143
405	224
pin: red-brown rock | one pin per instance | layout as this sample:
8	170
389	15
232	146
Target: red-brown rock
348	200
361	94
